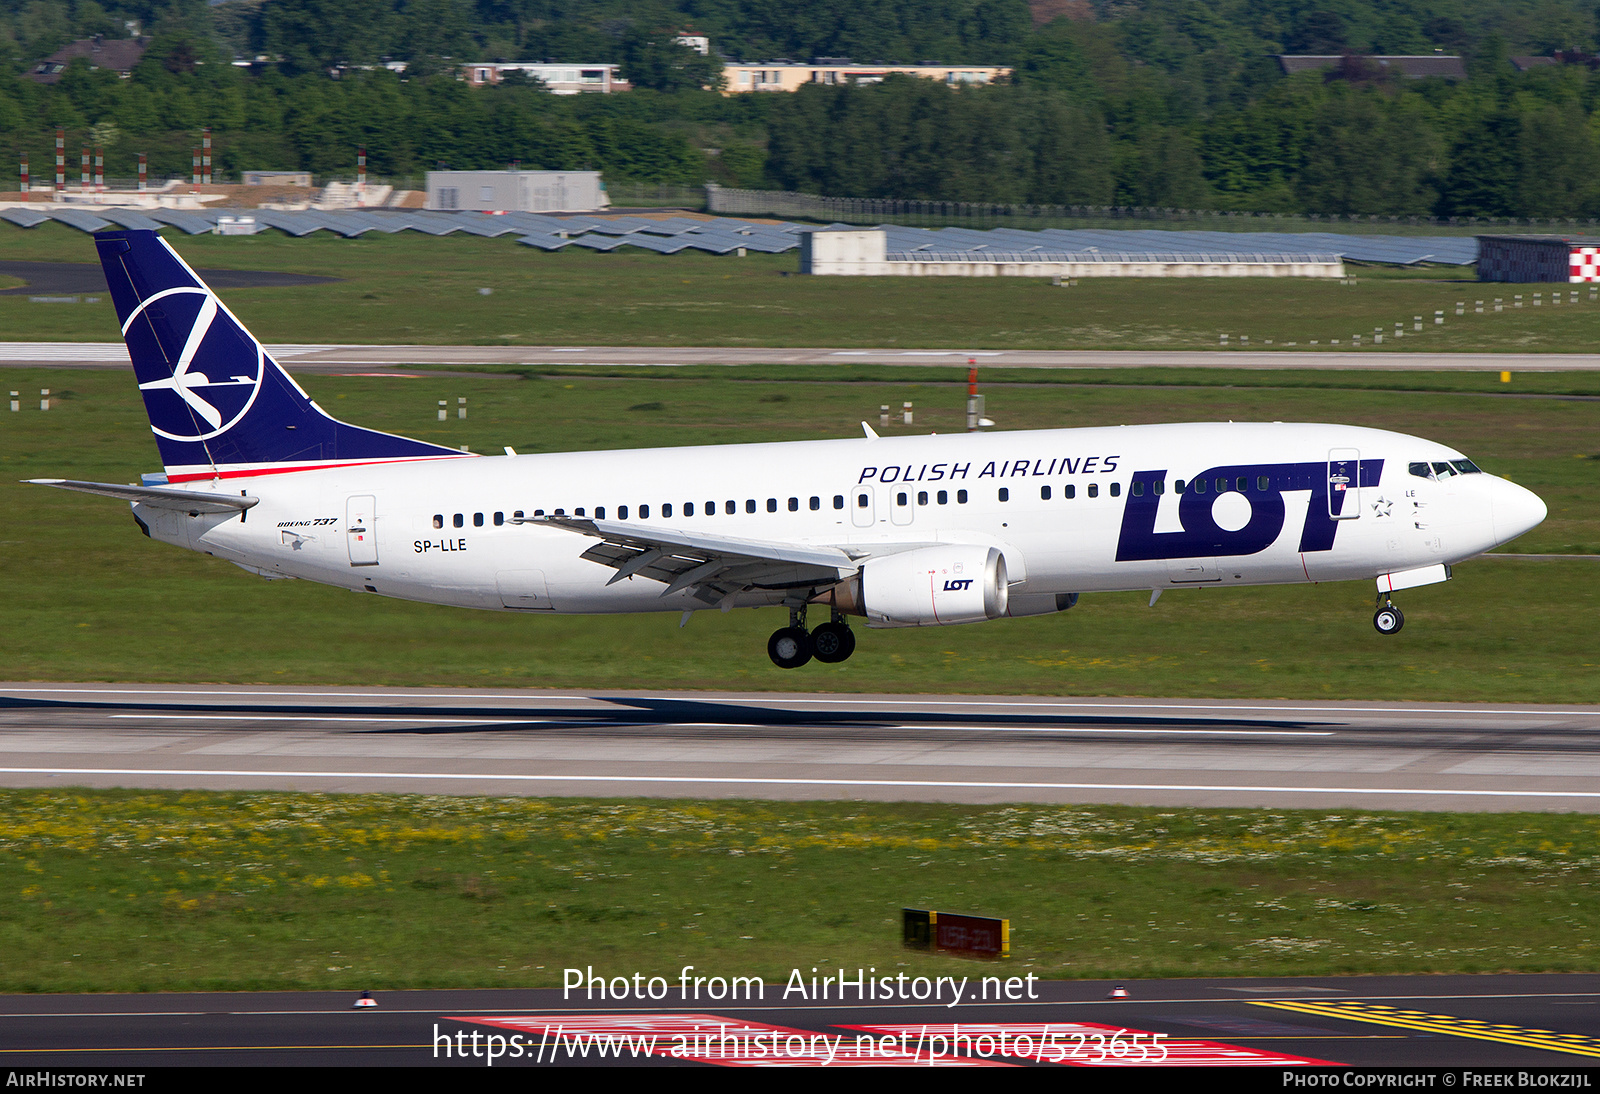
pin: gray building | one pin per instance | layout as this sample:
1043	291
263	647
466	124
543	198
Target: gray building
1570	259
517	191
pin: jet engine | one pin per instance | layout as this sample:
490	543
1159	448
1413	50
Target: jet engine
933	587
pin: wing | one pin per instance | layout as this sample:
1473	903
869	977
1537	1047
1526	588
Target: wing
714	568
161	497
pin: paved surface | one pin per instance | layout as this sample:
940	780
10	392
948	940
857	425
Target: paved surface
309	358
797	747
1460	1022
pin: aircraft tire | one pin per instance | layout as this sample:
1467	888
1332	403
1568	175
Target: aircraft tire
833	642
1388	620
789	647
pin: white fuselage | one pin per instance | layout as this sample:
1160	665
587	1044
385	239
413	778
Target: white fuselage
378	527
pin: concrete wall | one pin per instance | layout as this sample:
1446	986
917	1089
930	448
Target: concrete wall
862	253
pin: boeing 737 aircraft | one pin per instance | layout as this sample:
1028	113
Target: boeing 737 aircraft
905	532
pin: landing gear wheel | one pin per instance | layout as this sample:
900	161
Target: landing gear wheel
833	642
1388	620
789	647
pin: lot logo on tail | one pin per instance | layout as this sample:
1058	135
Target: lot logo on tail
196	401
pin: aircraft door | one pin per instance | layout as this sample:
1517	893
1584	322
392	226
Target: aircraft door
1344	483
360	529
863	511
901	509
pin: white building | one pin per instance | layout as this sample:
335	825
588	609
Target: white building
560	79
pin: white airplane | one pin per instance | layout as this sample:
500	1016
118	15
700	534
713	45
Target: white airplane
905	532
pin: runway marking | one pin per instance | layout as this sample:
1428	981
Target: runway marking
1576	1043
710	1039
1100	731
330	718
715	780
778	702
1091	1044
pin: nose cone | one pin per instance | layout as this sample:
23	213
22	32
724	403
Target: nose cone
1516	511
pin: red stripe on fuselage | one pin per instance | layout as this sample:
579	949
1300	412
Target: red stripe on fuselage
252	473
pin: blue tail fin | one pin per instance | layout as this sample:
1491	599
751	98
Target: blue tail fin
218	405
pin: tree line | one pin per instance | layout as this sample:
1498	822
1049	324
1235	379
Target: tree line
1164	103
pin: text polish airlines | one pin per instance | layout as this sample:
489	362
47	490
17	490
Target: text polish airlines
905	532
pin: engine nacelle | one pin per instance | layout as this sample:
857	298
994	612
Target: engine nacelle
934	587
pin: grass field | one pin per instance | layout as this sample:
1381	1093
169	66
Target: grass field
88	598
151	891
408	288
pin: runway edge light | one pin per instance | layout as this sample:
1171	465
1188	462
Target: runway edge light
366	1000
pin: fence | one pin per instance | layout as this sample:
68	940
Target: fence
934	214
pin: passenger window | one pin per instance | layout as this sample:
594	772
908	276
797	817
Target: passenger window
861	501
1116	490
1069	491
477	520
500	518
1044	493
1137	489
750	505
922	497
538	512
772	505
688	508
458	520
961	497
561	512
838	501
902	498
944	497
1242	484
1005	493
816	503
1177	486
1263	483
1158	487
599	512
644	512
517	515
666	509
622	512
1198	486
1094	490
730	507
1222	486
578	512
794	505
711	508
438	518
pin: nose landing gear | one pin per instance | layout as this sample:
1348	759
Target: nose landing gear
1388	618
792	646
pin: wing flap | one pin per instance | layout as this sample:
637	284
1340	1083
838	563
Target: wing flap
712	568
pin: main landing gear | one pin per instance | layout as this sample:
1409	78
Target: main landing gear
1387	619
792	646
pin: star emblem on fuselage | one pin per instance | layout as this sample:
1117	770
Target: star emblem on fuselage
1382	507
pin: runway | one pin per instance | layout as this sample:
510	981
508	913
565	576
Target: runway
337	359
973	749
1473	1022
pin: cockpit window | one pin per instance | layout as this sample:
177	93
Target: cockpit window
1443	469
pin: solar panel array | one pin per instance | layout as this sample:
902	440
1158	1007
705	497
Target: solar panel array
722	235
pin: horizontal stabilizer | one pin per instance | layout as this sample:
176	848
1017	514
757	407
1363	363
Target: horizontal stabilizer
161	497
